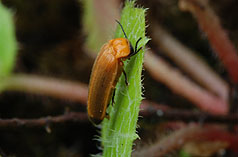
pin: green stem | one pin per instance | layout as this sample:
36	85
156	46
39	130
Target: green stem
119	132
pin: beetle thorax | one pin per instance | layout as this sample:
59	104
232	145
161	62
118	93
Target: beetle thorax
121	47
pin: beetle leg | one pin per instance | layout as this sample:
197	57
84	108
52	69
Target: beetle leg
107	116
126	81
113	96
137	45
139	49
136	50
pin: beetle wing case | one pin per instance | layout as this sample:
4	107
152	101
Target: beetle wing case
103	79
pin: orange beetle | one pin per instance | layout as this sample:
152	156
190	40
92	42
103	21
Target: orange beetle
106	71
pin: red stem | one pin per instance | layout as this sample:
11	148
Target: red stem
189	62
189	133
181	85
217	36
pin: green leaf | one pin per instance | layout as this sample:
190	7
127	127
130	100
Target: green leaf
8	44
119	132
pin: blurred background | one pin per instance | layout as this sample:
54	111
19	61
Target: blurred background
58	41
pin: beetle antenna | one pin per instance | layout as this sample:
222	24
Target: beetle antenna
122	29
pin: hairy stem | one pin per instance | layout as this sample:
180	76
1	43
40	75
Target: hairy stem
119	132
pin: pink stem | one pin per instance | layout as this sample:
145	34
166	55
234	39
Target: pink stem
189	133
220	135
161	71
217	36
47	86
169	143
190	62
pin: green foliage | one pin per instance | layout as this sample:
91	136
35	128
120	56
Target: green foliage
183	154
119	132
8	43
91	24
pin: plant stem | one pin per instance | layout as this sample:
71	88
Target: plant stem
44	121
189	133
190	62
8	44
217	36
46	86
157	112
181	85
119	131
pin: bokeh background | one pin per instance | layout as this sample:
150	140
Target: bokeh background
53	41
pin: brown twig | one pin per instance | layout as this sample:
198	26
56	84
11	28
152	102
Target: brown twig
189	62
150	110
45	121
73	91
78	92
164	73
217	36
